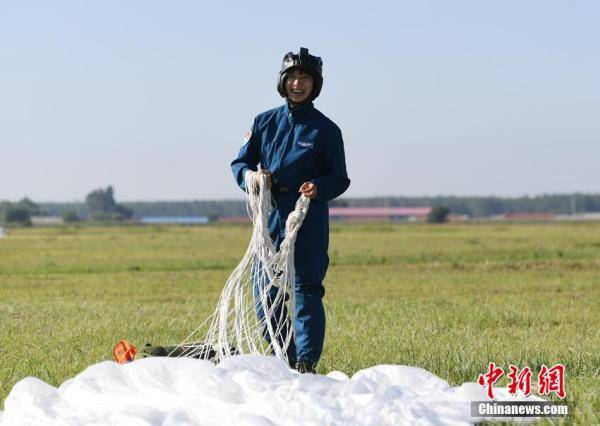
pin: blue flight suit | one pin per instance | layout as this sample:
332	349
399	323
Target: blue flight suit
299	144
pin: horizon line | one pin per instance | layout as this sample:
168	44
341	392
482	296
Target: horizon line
544	194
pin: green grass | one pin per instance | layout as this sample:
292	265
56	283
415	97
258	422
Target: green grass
445	298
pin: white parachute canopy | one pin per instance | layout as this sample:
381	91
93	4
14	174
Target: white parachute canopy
255	312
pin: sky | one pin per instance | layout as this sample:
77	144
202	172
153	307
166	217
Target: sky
433	97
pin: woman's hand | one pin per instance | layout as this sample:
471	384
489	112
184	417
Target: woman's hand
309	190
258	178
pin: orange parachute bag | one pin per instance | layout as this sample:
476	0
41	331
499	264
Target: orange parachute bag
124	352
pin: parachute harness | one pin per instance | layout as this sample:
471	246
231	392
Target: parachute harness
263	280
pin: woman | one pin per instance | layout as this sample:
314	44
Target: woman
301	151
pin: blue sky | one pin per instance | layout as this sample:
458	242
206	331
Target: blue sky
433	97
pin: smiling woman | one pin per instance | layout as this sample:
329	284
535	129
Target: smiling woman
302	152
299	85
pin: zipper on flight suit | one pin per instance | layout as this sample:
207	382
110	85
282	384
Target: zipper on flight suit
286	145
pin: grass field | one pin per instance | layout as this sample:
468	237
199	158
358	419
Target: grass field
447	298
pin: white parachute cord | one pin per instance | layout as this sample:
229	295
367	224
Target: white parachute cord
265	250
284	259
234	327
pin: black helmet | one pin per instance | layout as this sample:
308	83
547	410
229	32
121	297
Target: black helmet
306	62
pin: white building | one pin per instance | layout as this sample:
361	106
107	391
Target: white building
46	220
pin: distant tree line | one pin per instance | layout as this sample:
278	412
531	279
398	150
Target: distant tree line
100	205
471	206
219	208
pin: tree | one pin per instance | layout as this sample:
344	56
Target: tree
103	206
101	200
339	203
17	214
30	206
438	214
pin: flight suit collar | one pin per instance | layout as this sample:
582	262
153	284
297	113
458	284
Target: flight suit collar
294	112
